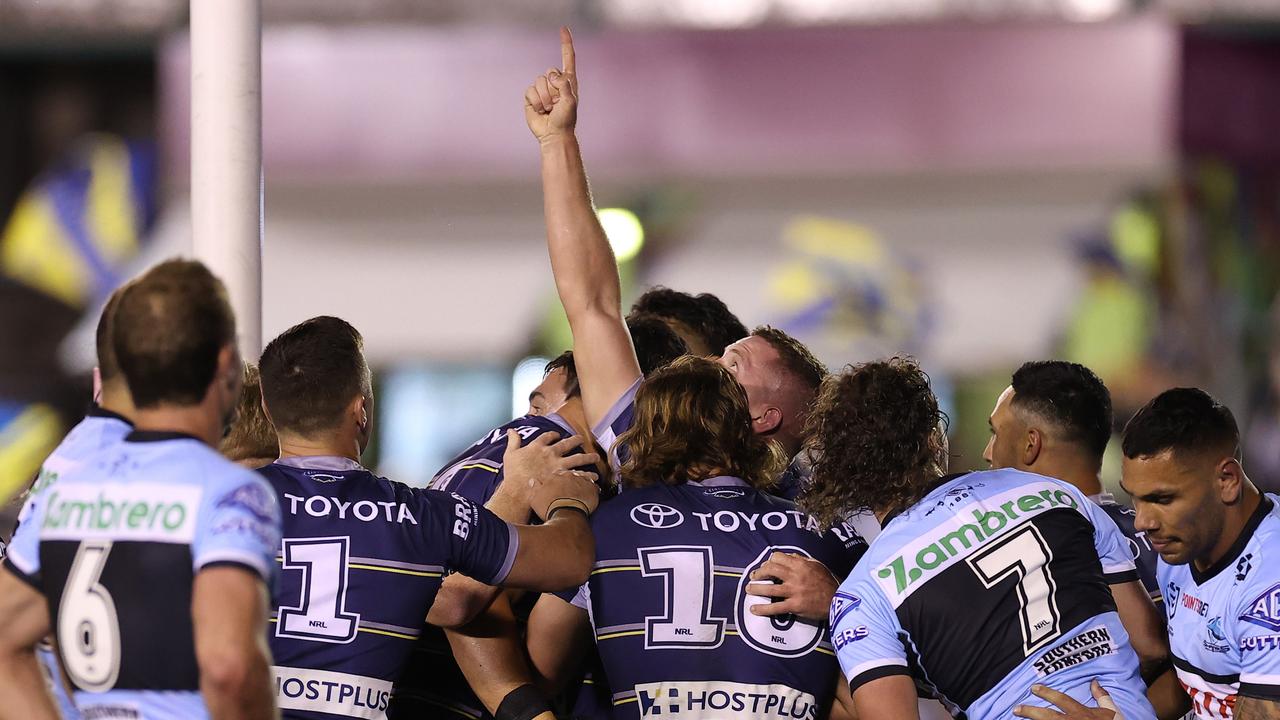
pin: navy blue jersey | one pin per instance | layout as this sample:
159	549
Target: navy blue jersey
1144	556
362	559
672	619
433	682
621	415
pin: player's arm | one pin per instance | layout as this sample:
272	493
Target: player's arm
842	706
887	698
23	692
491	655
229	608
558	637
798	585
1145	626
1248	708
586	273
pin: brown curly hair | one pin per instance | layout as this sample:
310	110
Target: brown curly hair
874	437
692	423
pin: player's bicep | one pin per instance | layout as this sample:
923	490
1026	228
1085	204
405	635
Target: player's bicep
605	361
228	612
240	527
559	634
1257	634
1144	624
891	697
482	545
26	616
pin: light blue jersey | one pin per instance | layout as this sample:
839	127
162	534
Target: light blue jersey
118	540
1224	623
994	581
99	430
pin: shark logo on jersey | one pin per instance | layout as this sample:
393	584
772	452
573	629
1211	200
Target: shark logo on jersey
1243	567
1217	640
1264	610
656	516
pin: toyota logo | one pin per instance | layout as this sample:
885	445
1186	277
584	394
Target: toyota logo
656	516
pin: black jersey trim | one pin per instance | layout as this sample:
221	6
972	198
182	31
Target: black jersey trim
1259	692
236	564
1211	677
139	436
1121	577
931	487
1229	557
96	410
33	581
876	673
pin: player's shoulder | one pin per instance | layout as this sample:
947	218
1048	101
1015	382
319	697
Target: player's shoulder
1257	571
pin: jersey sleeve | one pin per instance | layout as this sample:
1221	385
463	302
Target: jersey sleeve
864	631
1113	547
1257	635
615	422
240	525
481	545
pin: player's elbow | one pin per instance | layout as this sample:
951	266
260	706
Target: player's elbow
232	672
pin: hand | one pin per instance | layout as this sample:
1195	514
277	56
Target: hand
805	587
1106	709
542	456
551	102
576	485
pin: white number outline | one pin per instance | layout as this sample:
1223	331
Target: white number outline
744	618
83	596
991	576
669	579
302	609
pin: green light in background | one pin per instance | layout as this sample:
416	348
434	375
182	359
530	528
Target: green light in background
625	233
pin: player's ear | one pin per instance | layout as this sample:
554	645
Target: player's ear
1230	480
768	421
1032	446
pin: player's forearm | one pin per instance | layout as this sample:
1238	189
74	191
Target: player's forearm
1248	708
490	654
554	556
23	692
1167	696
586	273
239	688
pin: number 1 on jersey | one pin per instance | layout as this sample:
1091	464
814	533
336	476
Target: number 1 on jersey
1024	554
321	611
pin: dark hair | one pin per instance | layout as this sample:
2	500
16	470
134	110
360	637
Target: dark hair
704	314
796	357
1184	420
691	419
655	342
108	367
311	372
564	361
251	435
167	332
1070	396
873	433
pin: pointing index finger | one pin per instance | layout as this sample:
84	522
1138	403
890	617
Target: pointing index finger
566	51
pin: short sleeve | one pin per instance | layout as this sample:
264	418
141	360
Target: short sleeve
615	422
846	548
22	556
864	632
1113	547
241	526
1258	637
481	545
474	479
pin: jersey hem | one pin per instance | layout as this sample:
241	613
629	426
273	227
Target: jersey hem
1259	692
1118	578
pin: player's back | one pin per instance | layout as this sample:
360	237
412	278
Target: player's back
989	584
671	616
362	560
121	537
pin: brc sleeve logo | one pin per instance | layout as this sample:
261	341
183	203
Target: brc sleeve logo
841	604
1264	610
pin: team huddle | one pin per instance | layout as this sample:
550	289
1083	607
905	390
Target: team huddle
692	521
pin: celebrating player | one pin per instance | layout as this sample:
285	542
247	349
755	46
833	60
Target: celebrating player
666	602
980	584
703	321
1213	531
152	558
363	558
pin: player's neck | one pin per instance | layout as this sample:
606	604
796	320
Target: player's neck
193	420
1236	519
1080	474
116	398
292	445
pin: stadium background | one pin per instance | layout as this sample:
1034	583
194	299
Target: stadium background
976	182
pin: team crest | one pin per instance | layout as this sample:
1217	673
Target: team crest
1171	594
1264	610
841	604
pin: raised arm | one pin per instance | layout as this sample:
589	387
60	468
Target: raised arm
585	270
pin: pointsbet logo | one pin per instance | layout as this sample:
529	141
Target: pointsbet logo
150	511
968	529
